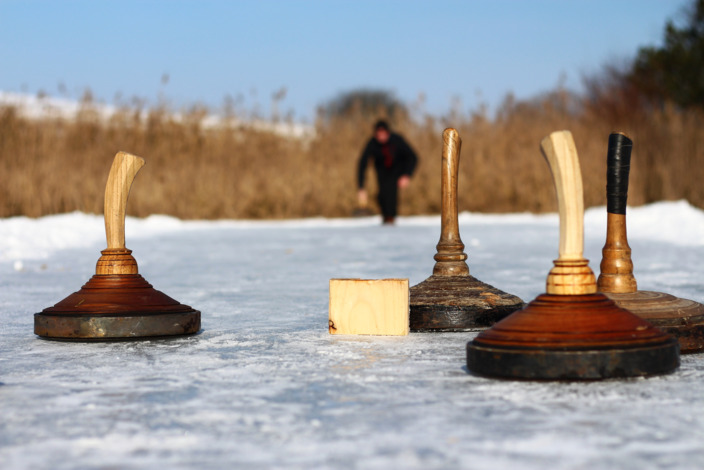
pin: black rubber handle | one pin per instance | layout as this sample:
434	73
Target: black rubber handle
618	165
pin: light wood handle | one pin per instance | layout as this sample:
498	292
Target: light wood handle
450	256
122	173
571	274
561	154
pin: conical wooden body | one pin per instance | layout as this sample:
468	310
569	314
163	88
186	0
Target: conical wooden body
458	303
681	318
116	307
451	299
576	337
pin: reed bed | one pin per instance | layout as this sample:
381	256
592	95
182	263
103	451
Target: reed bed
237	171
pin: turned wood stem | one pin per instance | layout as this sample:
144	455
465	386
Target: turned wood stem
571	274
116	258
616	265
450	257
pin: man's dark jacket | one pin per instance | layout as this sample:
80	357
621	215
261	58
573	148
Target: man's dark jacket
403	159
391	161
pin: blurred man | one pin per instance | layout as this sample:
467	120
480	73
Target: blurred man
394	161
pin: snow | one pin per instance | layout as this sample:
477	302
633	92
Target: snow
265	386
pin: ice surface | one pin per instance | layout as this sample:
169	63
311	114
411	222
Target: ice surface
265	386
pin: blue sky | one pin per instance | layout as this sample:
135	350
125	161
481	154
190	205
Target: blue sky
472	51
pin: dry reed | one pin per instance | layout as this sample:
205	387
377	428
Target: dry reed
56	165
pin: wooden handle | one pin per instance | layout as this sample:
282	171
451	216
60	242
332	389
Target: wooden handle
116	259
560	152
122	173
571	274
616	274
450	256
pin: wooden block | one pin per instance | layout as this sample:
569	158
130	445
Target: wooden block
368	307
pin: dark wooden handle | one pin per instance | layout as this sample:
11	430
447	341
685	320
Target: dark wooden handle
452	144
618	165
450	256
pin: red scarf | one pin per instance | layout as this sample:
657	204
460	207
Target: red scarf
388	156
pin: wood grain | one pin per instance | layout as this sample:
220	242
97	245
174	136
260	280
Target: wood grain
576	337
616	268
458	303
117	259
571	274
450	257
122	173
368	307
116	307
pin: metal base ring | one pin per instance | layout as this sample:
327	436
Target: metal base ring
88	327
592	364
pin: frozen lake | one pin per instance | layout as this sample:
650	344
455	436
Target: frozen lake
265	386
